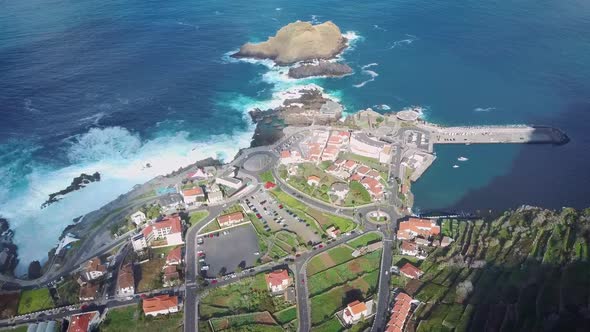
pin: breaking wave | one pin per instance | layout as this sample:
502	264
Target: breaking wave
367	71
404	42
484	109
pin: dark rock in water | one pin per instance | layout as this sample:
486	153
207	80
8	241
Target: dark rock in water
35	270
3	225
8	256
324	68
77	184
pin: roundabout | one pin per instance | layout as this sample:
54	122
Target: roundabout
378	217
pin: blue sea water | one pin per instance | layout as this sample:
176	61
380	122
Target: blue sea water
110	85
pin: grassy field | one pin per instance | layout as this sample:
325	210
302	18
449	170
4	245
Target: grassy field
21	328
243	321
211	226
198	216
151	273
371	162
131	319
364	240
286	315
267	177
331	325
357	195
327	219
34	300
325	260
245	296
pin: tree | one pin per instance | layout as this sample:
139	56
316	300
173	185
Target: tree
463	290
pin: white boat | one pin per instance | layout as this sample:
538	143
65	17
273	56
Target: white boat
462	159
455	166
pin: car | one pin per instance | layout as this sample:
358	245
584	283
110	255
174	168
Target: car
211	235
213	282
259	216
320	246
257	253
297	255
280	206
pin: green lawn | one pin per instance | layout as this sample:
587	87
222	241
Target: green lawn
131	319
241	321
21	328
357	195
288	200
364	240
337	255
267	177
34	300
331	325
198	216
327	219
286	315
211	226
371	162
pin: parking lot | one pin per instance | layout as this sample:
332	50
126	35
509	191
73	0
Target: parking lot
234	247
274	216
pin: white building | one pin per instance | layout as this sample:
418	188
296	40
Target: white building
234	183
356	311
193	196
278	280
214	194
139	242
363	145
138	218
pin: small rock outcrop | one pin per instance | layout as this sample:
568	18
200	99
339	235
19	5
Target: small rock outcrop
298	41
77	184
324	68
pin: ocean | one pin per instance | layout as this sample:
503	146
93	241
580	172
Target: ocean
108	86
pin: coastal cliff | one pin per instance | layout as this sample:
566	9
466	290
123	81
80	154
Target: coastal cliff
298	41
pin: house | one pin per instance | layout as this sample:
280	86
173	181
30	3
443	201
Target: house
139	242
374	187
354	312
88	292
409	248
292	170
278	280
94	269
410	271
174	257
422	242
126	281
233	183
168	231
330	152
350	165
160	305
193	195
269	185
138	218
446	241
415	226
170	276
84	322
230	219
170	201
340	190
399	313
333	232
214	194
313	180
290	157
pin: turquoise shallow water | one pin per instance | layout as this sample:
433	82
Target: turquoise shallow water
109	85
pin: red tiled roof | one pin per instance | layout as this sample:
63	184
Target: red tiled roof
332	168
276	278
356	177
339	162
335	140
411	271
285	154
81	322
424	227
175	255
363	169
125	278
408	246
172	222
197	191
94	265
230	218
158	303
313	178
357	307
350	164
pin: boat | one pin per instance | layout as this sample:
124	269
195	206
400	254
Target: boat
455	166
462	159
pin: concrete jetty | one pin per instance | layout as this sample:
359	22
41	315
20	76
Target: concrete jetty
496	134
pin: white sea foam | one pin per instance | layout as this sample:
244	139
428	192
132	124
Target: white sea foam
314	19
278	9
403	42
367	71
377	27
382	107
484	109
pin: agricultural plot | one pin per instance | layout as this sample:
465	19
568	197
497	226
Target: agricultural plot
328	259
131	319
364	240
34	300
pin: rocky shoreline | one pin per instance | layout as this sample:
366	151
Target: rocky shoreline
8	250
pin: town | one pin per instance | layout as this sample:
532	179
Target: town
312	233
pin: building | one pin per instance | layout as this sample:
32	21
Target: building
230	219
399	313
139	242
88	292
422	242
290	157
414	226
170	201
84	322
168	232
174	257
374	187
410	271
170	276
277	281
355	312
446	241
94	269
409	248
340	190
199	174
214	194
350	165
313	180
233	183
126	281
138	218
46	326
193	196
160	305
333	232
363	145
